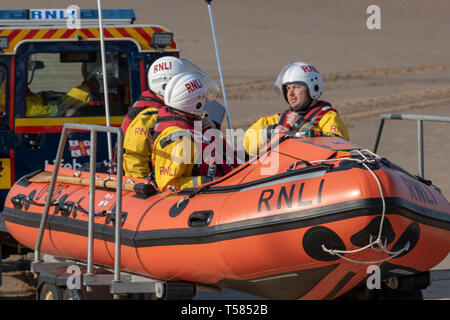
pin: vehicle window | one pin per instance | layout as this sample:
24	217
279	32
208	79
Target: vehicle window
3	78
70	84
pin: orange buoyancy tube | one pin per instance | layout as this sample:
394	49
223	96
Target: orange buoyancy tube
256	233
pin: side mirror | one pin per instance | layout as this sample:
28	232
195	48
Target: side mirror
36	65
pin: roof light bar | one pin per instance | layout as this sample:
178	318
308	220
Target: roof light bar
60	16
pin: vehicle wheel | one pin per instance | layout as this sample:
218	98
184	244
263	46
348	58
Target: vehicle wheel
72	294
50	292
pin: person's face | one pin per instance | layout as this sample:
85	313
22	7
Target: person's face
296	95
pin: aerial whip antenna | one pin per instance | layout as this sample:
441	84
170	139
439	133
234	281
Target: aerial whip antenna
105	82
220	72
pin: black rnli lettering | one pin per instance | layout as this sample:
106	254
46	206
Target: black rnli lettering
419	192
288	199
300	196
408	184
285	197
264	199
319	196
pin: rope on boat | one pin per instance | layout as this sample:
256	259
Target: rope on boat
378	241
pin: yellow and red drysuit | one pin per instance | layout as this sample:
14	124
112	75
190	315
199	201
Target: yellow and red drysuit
138	126
179	156
321	117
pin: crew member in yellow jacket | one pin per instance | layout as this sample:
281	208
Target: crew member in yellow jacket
139	123
301	85
179	156
35	105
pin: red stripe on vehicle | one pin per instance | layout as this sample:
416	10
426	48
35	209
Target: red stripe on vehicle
124	32
88	33
49	33
107	34
68	33
33	129
31	34
13	34
144	34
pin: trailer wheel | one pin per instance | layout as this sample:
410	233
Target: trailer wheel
72	294
50	292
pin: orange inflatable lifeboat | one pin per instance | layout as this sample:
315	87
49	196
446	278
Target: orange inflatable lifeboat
304	220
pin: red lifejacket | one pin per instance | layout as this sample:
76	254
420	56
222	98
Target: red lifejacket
208	167
147	100
313	116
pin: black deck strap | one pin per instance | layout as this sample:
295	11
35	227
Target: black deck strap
145	188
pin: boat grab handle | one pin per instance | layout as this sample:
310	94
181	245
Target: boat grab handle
200	218
294	165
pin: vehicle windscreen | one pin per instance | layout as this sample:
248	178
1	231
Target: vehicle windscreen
70	84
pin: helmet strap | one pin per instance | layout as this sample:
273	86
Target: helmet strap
189	116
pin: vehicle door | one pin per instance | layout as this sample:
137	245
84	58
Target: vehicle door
61	82
6	134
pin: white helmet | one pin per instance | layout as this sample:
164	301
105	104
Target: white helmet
186	92
300	72
162	70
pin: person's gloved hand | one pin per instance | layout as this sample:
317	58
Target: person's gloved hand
292	119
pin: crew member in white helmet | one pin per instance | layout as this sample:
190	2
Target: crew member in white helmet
139	123
301	86
179	143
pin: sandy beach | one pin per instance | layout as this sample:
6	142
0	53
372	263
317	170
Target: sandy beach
404	67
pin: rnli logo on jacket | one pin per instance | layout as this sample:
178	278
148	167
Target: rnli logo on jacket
80	148
140	131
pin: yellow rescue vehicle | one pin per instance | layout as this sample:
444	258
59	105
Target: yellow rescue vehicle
51	73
